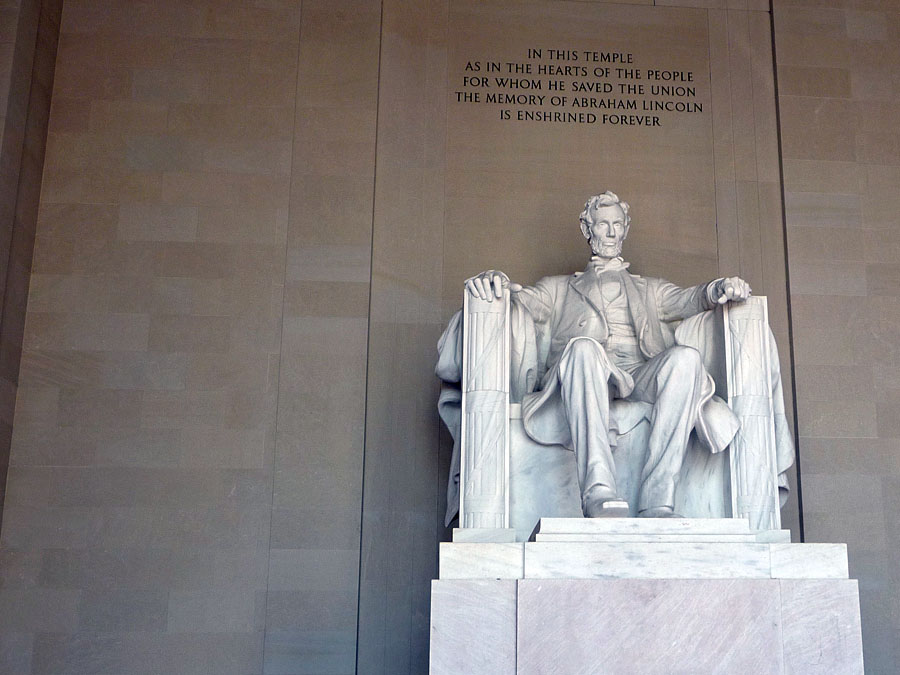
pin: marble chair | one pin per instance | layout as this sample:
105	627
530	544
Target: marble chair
508	481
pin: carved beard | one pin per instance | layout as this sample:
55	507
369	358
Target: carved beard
599	248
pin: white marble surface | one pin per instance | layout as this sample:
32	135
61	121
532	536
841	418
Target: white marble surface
774	536
585	548
809	561
642	526
480	560
629	626
473	627
646	561
542	480
484	534
821	627
753	454
484	432
689	560
654	530
686	538
645	607
646	627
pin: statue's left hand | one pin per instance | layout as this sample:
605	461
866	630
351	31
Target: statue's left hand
732	289
490	284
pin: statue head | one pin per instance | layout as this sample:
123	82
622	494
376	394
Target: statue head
604	223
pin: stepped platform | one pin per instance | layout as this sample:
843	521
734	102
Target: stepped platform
626	595
637	548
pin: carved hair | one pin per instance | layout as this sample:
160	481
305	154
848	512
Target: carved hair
606	199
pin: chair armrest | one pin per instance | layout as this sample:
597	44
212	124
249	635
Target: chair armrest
484	432
748	365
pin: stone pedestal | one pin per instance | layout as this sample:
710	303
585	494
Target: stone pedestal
644	596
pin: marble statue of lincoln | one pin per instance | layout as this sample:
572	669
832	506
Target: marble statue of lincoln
610	337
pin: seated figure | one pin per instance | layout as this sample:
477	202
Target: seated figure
587	346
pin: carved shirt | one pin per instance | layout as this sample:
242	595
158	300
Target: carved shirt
622	345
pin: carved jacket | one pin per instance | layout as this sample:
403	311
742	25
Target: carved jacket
570	306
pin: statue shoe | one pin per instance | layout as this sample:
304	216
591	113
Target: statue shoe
601	502
659	512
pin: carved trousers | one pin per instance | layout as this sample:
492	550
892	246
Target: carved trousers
671	382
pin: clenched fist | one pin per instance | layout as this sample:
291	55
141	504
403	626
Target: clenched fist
732	289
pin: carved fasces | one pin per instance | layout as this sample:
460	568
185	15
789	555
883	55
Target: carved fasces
754	479
484	434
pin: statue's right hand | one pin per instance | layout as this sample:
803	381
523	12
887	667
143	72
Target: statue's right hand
489	285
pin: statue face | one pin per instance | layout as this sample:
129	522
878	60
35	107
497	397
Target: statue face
607	231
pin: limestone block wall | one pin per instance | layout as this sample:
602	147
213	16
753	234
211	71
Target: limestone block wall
225	451
839	98
182	499
317	492
28	36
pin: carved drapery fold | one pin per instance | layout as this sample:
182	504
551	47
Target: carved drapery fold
754	477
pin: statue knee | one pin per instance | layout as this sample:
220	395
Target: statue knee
685	360
583	347
588	354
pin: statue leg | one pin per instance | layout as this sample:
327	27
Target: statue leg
672	382
584	371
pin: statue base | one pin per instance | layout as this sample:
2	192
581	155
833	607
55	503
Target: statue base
644	596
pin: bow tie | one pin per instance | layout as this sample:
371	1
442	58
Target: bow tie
601	265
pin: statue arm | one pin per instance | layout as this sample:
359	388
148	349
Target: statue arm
537	300
677	303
